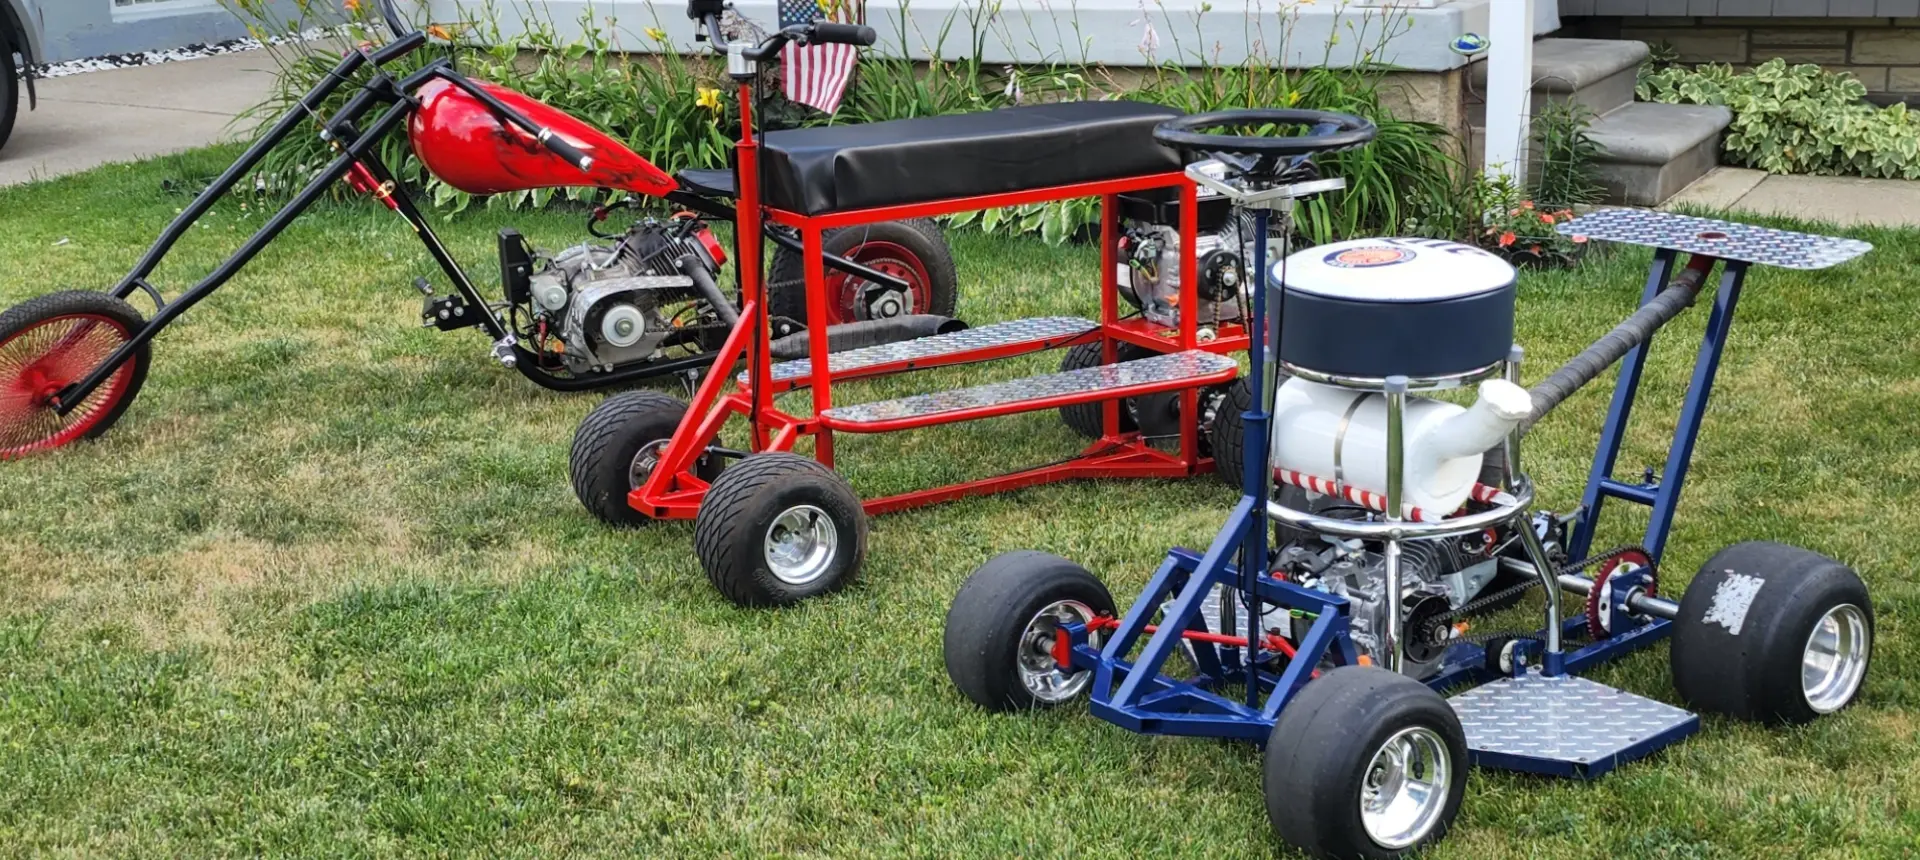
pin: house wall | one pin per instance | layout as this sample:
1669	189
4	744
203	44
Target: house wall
73	29
1111	32
1883	52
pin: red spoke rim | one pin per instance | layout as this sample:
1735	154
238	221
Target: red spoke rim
889	258
40	361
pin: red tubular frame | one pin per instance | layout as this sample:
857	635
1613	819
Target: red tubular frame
672	491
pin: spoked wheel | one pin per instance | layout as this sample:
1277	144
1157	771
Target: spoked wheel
51	342
1364	763
1000	630
618	447
913	251
778	528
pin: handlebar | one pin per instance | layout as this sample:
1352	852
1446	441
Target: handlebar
401	29
708	12
828	33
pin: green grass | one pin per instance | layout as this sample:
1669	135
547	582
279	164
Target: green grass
325	590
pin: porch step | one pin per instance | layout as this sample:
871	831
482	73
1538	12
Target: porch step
1564	725
1598	73
1650	151
1169	372
1003	338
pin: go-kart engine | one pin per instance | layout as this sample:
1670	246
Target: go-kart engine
1150	272
1149	255
601	305
1437	576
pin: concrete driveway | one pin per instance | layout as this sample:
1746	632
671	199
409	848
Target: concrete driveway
98	118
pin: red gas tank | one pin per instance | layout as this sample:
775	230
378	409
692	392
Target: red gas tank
463	144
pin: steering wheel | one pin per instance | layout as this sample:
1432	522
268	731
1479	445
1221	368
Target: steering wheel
1260	155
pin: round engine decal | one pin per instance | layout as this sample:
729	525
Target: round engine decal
1369	257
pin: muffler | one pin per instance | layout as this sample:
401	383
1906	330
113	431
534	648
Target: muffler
855	335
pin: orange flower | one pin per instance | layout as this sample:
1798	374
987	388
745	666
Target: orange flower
1535	249
1545	218
1566	215
1527	204
1514	213
1579	240
1507	238
353	5
439	32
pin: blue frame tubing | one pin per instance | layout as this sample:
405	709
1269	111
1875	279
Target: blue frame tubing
1147	701
1662	496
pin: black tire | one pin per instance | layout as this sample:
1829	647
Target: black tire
987	623
1228	436
1747	664
603	464
920	237
1084	418
37	311
9	88
743	508
1323	745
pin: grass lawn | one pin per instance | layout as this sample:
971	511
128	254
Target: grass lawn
325	589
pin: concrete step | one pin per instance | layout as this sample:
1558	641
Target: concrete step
1651	151
1598	73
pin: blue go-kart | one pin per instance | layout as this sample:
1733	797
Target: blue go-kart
1402	524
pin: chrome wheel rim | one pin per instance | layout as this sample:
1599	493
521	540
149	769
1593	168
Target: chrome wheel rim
1834	661
644	461
1405	788
800	544
1039	672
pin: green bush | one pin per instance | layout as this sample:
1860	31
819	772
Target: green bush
1797	119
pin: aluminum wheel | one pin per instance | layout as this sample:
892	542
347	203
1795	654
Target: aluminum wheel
1835	658
800	544
1039	672
1405	788
644	461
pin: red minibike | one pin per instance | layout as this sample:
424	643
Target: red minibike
775	527
635	304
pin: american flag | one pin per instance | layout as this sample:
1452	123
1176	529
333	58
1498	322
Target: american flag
816	75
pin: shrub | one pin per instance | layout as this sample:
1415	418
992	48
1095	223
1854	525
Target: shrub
1567	155
1518	228
1797	119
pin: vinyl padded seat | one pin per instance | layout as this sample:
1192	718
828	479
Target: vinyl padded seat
710	183
837	168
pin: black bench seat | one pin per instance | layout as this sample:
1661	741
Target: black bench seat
814	171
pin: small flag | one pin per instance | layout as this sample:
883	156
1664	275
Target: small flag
817	75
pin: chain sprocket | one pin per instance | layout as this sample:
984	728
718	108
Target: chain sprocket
1438	628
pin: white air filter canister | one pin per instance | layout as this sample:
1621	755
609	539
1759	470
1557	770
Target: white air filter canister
1340	433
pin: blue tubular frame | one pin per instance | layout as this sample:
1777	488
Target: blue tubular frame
1664	495
1138	696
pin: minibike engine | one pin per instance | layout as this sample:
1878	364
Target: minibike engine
1361	324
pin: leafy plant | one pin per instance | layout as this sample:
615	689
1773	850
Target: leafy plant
1797	119
1567	155
1519	229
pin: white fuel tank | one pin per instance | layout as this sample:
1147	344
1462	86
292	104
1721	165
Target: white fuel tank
1341	434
